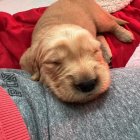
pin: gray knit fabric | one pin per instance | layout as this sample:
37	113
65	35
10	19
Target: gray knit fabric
115	115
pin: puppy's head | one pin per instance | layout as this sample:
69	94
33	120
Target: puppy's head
70	62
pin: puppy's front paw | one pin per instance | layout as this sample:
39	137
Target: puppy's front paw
124	35
107	57
106	54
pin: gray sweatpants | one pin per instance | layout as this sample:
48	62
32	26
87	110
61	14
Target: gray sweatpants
115	115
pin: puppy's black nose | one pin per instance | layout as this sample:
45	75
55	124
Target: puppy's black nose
86	86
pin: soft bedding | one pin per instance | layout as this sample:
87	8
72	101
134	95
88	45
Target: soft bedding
16	30
134	60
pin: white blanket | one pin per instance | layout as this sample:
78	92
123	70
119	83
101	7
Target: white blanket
14	6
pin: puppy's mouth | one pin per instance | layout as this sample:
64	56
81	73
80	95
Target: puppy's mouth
86	87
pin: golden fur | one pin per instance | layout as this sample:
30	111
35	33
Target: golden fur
66	53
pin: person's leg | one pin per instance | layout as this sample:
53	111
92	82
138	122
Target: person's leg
114	115
29	97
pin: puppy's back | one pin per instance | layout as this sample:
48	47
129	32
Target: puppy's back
67	12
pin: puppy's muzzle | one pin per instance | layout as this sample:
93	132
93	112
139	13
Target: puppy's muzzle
86	86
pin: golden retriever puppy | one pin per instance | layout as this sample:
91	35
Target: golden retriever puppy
66	54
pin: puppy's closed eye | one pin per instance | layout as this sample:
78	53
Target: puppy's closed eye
53	59
53	62
56	63
96	50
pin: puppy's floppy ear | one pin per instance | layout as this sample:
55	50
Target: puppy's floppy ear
28	62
